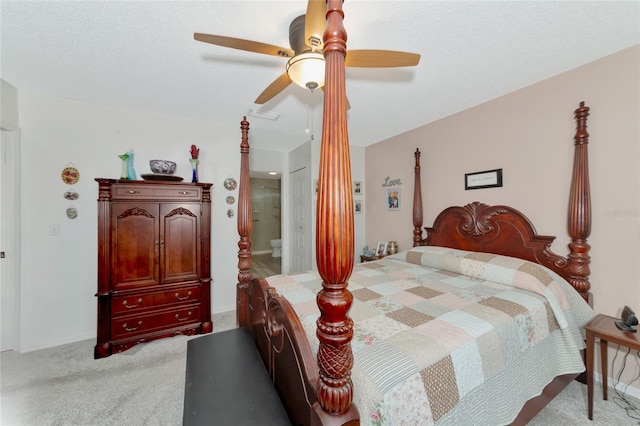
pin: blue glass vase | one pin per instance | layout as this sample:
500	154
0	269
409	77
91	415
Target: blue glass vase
194	169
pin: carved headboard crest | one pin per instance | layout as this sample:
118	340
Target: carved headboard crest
477	218
493	229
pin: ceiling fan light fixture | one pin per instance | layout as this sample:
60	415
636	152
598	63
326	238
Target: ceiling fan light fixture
307	70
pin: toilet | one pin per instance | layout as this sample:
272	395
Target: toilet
276	246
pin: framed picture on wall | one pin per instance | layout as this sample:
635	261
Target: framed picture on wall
393	199
357	188
485	179
358	207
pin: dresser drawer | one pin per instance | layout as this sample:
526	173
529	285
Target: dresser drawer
163	192
123	327
125	304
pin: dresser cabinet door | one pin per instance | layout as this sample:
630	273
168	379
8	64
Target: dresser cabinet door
180	242
135	239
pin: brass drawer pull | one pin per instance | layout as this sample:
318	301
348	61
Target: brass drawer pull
131	191
132	328
183	319
183	298
184	192
124	303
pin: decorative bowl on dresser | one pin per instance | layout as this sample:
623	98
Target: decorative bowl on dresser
164	167
153	262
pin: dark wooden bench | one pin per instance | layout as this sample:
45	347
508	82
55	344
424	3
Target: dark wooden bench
228	384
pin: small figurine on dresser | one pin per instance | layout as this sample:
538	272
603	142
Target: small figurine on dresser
195	152
124	174
131	171
366	252
128	171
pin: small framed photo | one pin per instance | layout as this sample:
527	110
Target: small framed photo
381	248
485	179
357	188
393	199
358	207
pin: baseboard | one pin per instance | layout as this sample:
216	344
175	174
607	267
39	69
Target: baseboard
55	342
621	387
46	344
223	310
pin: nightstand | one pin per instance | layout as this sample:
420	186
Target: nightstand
364	258
604	328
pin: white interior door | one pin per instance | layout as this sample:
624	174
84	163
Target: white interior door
9	239
300	236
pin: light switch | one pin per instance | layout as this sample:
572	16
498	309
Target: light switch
54	229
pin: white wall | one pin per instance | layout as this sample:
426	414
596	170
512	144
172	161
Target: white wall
59	272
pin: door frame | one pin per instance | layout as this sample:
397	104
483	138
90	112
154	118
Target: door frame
10	239
306	234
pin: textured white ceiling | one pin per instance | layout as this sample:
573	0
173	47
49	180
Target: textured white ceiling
141	56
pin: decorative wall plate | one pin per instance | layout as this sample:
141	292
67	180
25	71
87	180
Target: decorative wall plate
71	195
231	199
70	175
72	212
230	184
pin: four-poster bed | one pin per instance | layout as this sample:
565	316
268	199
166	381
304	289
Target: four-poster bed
531	315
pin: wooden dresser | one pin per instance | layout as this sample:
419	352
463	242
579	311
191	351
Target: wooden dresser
153	262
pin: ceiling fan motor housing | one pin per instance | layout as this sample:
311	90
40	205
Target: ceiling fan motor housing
296	35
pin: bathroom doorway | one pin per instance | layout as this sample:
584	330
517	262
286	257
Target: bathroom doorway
266	237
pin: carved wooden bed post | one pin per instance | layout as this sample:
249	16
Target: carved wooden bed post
334	228
417	202
579	221
245	224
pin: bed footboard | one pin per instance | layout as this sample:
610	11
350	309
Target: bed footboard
285	350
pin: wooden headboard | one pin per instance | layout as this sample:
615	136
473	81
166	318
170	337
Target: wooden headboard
506	231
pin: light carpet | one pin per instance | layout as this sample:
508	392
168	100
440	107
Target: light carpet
64	385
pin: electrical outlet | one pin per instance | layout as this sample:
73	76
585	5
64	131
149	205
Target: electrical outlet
54	229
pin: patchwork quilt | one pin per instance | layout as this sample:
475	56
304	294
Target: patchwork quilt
435	329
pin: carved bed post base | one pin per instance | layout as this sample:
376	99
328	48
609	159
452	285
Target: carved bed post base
350	418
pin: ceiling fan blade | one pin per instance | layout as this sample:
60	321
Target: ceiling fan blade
278	85
248	45
315	22
380	59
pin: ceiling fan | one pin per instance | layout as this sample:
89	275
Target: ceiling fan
306	62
